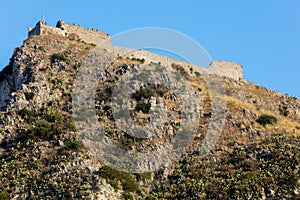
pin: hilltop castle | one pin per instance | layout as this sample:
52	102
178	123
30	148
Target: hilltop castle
72	31
95	36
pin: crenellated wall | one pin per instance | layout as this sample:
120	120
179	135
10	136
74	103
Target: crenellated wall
42	28
221	68
94	36
72	31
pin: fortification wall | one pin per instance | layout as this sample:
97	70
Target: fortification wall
74	32
221	68
149	57
93	36
34	31
42	28
227	69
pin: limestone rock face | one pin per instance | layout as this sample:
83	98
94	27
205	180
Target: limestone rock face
19	74
42	152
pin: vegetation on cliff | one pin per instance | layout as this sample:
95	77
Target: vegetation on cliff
42	156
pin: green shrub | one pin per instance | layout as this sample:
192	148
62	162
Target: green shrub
151	197
145	93
143	106
28	115
74	145
104	94
197	74
117	77
128	182
43	130
140	60
129	185
127	196
70	124
266	119
146	175
29	95
183	73
50	74
92	44
41	48
284	110
4	195
126	141
55	116
149	91
51	115
180	69
57	82
78	64
46	123
60	57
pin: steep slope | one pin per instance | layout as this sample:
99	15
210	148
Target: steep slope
42	155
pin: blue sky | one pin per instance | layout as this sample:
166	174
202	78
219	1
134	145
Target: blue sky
261	35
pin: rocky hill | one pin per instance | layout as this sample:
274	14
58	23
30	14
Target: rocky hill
44	156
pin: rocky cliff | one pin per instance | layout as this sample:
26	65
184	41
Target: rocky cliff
43	156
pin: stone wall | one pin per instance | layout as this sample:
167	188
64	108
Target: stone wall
92	36
221	68
227	69
42	28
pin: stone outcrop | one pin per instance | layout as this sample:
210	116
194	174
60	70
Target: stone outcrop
18	75
43	154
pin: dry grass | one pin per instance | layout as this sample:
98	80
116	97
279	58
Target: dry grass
231	101
121	60
283	123
195	83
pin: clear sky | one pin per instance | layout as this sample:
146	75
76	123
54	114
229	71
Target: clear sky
261	35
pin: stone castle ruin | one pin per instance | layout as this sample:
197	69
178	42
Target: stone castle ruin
103	41
72	31
95	36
